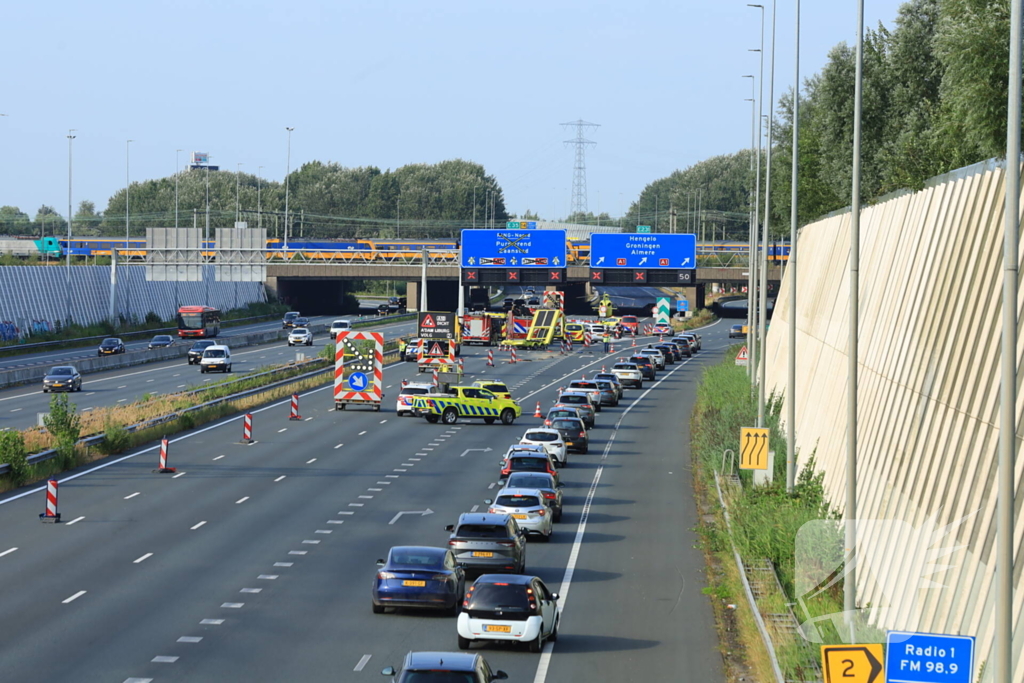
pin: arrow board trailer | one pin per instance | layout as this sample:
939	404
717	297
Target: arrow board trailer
437	354
358	369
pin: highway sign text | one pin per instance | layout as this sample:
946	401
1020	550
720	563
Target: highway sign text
513	249
658	250
852	663
928	658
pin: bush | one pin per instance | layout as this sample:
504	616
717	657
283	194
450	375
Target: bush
12	452
65	424
153	319
116	439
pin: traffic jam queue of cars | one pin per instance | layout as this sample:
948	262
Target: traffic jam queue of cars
481	577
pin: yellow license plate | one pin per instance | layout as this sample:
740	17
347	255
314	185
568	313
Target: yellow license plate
520	516
497	628
414	583
483	554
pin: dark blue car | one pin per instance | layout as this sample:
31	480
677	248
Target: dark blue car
417	576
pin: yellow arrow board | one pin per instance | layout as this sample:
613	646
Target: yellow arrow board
753	448
853	663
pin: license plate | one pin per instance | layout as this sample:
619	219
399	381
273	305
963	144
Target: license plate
568	443
414	583
497	628
482	554
520	516
57	384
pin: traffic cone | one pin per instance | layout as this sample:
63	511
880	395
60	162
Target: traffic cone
50	516
537	412
633	345
490	358
295	408
435	377
611	347
164	469
247	428
602	369
514	359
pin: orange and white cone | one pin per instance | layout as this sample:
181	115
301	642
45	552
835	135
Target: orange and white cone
164	469
295	408
50	515
490	358
537	412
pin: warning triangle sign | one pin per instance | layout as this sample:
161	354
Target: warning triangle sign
428	321
435	350
742	355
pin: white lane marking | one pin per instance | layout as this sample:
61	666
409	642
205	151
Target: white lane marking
335	521
121	400
89	393
491	486
383	421
212	622
346	512
131	496
280	478
415	459
297	552
421	454
389	386
355	505
218	457
179	474
190	639
232	605
8	551
311	461
150	380
362	662
267	577
143	558
361	433
76	520
384	482
241	500
408	464
373	489
391	476
283	564
474	508
282	430
198	525
251	590
310	541
399	470
73	597
180	386
122	386
366	497
307	419
428	449
177	374
324	531
164	659
138	680
16	410
338	446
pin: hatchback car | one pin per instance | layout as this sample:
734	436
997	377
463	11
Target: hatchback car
510	608
670	352
646	366
495	386
417	576
550	490
489	542
110	346
612	378
736	331
581	401
444	667
629	374
215	357
528	461
300	335
161	341
693	338
301	321
560	412
551	440
195	352
527	507
289	319
403	406
655	356
339	326
684	346
590	388
62	378
574	433
383	309
611	391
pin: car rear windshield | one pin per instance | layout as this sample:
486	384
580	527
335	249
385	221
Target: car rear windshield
213	353
573	399
532	464
625	366
605	385
111	342
507	598
541	436
582	385
300	330
605	378
162	338
496	388
482	531
518	501
414	391
435	676
418	559
202	344
529	481
566	424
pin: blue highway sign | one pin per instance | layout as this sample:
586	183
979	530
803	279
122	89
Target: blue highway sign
357	381
682	305
657	250
513	249
928	658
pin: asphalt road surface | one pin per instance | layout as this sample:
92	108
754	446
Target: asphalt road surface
254	563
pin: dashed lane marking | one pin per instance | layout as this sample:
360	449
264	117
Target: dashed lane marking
211	622
280	478
218	457
241	500
310	541
338	446
232	605
131	496
267	577
76	520
73	597
198	525
190	639
143	558
362	662
164	659
361	433
283	564
179	474
251	590
282	430
311	461
8	551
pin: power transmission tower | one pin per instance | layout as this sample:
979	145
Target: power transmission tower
579	175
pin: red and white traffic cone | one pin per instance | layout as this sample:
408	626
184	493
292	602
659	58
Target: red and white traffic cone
462	366
51	515
295	408
537	412
633	345
490	358
602	369
611	347
247	428
164	469
514	359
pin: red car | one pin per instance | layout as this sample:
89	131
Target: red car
630	323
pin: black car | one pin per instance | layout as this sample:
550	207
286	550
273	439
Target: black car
573	432
289	319
195	352
383	309
62	378
507	304
110	346
670	351
161	341
534	301
645	365
301	321
444	667
736	331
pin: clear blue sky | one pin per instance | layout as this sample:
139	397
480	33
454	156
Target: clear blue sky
390	82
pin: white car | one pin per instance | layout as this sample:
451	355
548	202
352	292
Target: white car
403	406
655	356
300	335
629	374
340	326
527	507
216	357
494	598
551	440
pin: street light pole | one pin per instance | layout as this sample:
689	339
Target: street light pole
286	188
474	206
752	312
238	203
762	315
791	271
259	197
67	268
752	226
127	187
176	172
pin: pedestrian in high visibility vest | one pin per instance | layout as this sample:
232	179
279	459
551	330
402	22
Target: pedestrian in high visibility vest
607	341
401	347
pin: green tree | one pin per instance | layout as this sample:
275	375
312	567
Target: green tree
86	221
49	222
14	221
65	425
12	452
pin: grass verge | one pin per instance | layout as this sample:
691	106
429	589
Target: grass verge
765	526
701	318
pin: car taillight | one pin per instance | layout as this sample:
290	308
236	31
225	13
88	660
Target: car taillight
491	511
549	496
451	542
582	434
540	512
507	544
547	423
385	575
439	577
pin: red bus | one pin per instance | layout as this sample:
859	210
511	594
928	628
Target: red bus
198	321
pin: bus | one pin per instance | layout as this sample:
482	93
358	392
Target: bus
198	321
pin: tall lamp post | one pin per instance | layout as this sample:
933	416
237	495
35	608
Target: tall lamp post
259	197
176	172
752	312
754	196
67	307
791	271
238	203
286	188
127	187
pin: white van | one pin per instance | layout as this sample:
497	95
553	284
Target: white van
216	357
340	326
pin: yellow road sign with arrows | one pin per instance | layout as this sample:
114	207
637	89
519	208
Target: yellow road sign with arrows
853	663
753	448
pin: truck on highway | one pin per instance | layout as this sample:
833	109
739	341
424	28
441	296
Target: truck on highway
481	328
465	402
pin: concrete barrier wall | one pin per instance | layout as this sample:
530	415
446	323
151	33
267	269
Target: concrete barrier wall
928	396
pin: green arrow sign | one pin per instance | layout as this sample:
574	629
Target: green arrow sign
662	310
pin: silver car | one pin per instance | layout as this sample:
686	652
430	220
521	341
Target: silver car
581	402
541	481
527	507
611	378
655	356
629	374
592	390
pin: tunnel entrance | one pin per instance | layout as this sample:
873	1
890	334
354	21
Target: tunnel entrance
312	296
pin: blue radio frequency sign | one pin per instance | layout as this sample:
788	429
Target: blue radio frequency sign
513	249
657	250
928	658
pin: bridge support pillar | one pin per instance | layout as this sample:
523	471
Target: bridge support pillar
412	296
271	286
700	297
